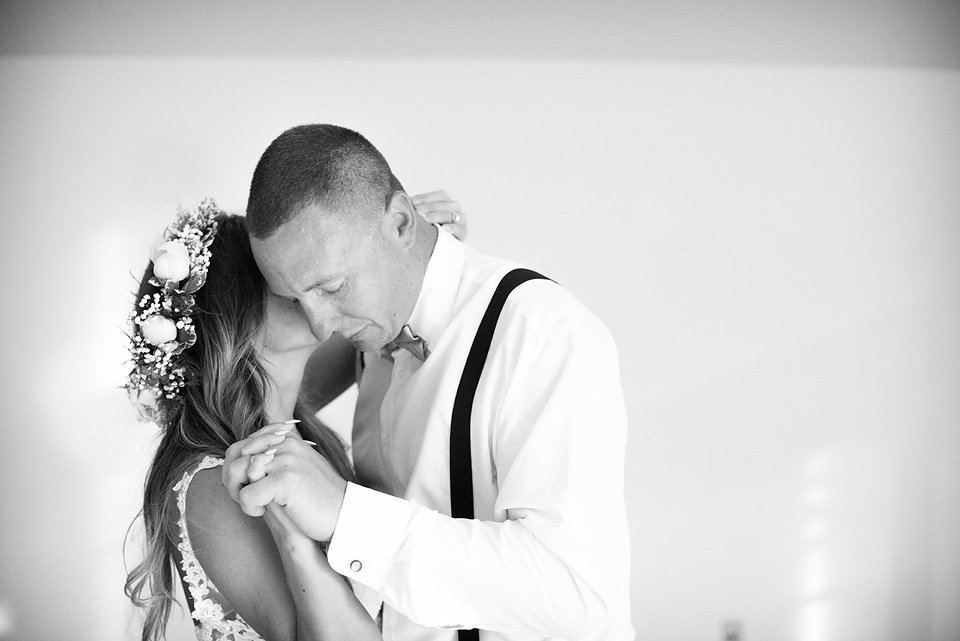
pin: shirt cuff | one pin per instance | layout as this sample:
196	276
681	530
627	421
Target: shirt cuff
369	531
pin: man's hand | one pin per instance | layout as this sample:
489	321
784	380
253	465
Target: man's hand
437	208
274	465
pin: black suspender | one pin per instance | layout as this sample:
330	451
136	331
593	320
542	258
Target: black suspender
461	468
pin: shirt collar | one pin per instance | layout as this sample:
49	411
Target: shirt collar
439	291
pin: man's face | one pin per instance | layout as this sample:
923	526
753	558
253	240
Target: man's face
345	275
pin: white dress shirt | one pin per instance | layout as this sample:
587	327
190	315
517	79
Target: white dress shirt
547	556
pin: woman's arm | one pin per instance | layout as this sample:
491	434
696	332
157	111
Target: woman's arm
325	603
285	594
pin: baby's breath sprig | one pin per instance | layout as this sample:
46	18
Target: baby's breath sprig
161	324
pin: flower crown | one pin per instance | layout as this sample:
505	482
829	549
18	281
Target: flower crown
160	326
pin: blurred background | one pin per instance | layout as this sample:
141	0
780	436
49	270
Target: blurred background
761	200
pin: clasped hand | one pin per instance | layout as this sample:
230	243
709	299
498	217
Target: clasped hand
275	469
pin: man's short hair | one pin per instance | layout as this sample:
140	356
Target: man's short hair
325	165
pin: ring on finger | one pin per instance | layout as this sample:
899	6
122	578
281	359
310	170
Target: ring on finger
454	217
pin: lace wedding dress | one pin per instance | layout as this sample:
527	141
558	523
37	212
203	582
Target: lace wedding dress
211	621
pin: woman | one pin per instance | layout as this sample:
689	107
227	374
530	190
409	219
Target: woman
215	359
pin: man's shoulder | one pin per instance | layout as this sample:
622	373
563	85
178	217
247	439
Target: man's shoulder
541	307
545	305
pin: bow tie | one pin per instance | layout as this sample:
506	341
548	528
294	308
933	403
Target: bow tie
409	341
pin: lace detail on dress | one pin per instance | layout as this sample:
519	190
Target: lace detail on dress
209	618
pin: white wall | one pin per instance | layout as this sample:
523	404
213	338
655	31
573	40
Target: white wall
773	246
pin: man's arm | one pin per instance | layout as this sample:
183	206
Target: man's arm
559	565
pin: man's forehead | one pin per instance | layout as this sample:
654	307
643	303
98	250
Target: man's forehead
305	248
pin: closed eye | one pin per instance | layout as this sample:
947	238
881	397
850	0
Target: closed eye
331	287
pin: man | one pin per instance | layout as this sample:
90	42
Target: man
547	553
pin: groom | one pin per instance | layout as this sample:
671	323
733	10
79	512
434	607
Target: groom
542	549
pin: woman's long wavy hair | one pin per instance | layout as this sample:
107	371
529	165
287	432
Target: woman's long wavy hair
224	403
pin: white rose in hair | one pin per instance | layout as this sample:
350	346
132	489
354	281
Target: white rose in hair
158	330
171	261
147	397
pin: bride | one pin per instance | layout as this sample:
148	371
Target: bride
215	359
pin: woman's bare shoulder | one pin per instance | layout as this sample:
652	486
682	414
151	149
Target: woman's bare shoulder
210	508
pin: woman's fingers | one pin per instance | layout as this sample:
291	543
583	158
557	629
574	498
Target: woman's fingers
430	197
258	464
447	211
234	476
268	436
238	461
445	217
277	426
437	208
257	468
255	497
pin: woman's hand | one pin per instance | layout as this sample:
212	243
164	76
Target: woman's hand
270	467
438	208
288	537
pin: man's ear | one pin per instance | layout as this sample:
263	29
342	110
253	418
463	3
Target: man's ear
399	222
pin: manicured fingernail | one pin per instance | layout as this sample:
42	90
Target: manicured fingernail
282	432
292	421
270	452
310	443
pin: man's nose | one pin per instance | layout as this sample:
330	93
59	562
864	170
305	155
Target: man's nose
324	319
